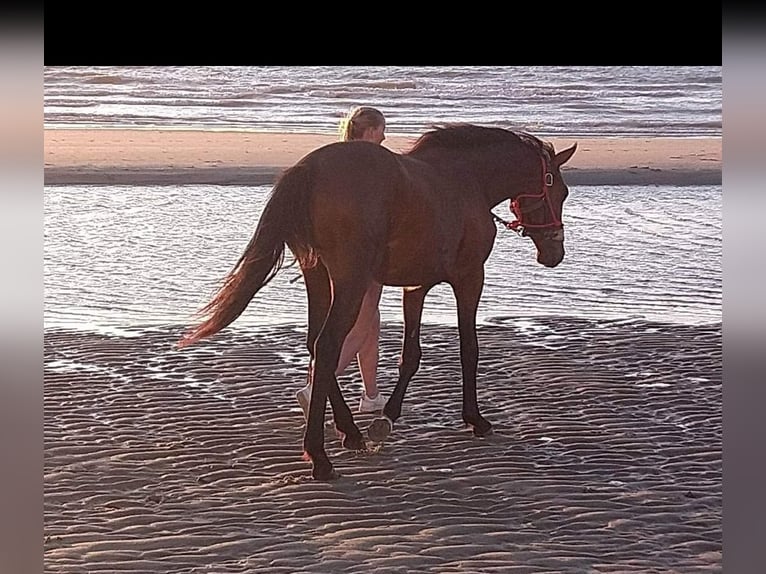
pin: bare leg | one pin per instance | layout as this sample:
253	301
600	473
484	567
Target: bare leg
368	357
362	341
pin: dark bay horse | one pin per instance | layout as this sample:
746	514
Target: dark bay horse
356	212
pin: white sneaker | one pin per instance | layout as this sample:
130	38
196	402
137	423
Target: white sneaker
368	405
304	398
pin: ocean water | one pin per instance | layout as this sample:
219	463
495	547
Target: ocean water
571	101
121	257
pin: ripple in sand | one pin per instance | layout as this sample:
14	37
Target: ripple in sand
591	466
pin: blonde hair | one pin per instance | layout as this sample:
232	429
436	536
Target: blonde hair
359	120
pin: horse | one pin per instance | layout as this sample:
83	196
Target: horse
356	212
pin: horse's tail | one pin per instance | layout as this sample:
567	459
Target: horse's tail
285	219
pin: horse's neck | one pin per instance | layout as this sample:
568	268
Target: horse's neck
492	180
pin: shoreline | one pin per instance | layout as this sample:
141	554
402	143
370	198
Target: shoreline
141	156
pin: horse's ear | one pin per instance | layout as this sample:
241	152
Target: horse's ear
563	156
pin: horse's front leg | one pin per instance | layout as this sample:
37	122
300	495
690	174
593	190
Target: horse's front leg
467	294
412	303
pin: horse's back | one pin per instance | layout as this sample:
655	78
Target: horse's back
389	213
342	166
361	172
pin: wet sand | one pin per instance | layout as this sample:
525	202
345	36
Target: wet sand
176	157
606	456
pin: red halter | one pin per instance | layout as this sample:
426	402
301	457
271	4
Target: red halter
519	225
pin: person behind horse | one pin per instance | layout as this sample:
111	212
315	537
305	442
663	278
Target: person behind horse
368	124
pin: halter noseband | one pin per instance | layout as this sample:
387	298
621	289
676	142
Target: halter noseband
519	225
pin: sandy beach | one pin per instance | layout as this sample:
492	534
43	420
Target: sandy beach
606	455
174	157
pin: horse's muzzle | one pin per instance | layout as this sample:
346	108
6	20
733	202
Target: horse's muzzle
555	234
547	234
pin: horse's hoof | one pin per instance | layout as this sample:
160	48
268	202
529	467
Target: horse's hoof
354	443
482	429
380	429
324	473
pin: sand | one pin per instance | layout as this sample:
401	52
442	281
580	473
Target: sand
174	157
606	454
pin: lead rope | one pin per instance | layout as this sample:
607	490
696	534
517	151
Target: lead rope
511	225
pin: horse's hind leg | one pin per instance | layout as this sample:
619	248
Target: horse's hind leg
412	302
347	298
319	298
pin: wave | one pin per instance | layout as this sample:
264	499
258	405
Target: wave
106	80
577	101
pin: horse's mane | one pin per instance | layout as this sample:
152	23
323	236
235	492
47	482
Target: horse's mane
458	136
